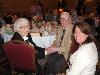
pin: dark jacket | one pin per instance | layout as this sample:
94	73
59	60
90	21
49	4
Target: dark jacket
40	51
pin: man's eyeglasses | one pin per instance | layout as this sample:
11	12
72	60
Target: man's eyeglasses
62	19
23	27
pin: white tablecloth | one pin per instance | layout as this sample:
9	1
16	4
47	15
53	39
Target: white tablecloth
44	41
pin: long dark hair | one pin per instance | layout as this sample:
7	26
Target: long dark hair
86	29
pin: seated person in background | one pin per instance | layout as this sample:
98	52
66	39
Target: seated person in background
48	16
55	15
62	4
91	21
63	39
35	28
21	28
1	39
8	27
2	20
3	59
84	59
15	16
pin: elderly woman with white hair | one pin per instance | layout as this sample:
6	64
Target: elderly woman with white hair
22	33
21	27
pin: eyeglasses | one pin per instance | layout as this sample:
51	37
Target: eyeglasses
62	19
23	27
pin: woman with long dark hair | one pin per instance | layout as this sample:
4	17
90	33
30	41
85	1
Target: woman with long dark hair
84	59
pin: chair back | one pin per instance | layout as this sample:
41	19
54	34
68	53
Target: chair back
21	55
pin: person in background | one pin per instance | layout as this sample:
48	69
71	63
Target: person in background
84	59
2	20
7	28
62	5
1	39
55	15
37	8
74	15
15	16
4	64
22	33
62	43
48	15
91	21
63	37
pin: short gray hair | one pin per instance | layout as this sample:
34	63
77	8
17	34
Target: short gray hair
66	15
20	22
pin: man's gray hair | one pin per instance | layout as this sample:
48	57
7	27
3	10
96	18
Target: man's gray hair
19	23
67	16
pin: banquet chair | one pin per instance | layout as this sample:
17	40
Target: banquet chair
4	64
21	57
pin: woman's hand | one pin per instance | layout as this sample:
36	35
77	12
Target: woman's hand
51	50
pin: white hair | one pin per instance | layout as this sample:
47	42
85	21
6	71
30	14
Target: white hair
66	15
19	23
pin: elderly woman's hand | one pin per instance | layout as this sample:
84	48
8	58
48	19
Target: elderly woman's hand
51	50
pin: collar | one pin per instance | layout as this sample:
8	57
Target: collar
25	38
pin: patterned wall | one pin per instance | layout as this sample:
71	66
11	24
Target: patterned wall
23	6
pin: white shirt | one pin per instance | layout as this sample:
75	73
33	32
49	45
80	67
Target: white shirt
25	38
84	60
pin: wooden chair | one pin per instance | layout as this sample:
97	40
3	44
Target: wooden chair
21	56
